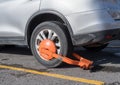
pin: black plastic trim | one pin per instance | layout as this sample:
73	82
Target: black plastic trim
96	37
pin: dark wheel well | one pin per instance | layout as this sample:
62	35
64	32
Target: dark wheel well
39	19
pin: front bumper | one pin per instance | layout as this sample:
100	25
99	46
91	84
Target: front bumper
92	27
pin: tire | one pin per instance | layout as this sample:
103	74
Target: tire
96	48
65	45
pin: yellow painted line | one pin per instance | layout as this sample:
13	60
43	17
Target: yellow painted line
75	79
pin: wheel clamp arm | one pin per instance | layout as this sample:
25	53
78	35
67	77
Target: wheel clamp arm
82	62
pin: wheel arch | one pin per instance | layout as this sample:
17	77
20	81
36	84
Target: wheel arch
45	15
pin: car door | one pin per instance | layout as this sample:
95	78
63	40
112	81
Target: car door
14	15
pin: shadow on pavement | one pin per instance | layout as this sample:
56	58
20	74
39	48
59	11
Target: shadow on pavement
99	58
12	49
103	57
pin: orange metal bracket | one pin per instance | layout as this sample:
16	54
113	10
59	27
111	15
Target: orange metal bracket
48	50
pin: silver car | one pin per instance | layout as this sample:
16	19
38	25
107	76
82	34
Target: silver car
67	23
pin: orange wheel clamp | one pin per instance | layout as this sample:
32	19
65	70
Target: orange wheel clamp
47	49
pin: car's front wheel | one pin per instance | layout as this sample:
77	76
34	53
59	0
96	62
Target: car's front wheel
55	32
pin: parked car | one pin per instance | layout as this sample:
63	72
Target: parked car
67	23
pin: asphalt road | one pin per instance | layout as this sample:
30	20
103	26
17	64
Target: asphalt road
107	67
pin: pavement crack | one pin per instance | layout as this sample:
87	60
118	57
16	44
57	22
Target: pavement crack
19	74
5	59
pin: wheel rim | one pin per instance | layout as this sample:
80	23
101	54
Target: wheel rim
47	34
